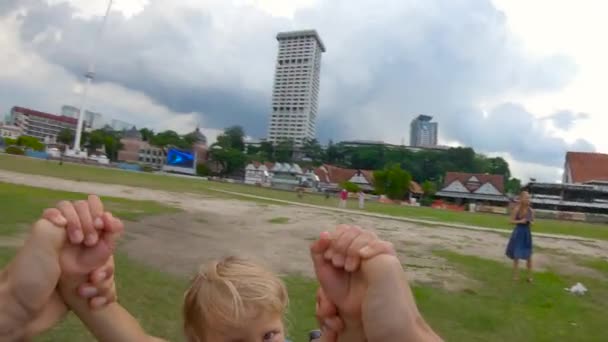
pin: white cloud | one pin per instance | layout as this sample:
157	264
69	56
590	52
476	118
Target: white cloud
33	82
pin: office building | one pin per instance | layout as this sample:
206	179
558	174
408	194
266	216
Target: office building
43	126
119	125
295	96
10	131
92	120
423	132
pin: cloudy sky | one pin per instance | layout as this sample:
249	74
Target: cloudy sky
515	78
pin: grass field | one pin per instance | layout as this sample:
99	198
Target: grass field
20	205
178	184
492	309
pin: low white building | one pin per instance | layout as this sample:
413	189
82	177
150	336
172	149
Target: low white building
258	174
10	131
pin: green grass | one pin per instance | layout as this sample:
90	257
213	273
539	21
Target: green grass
498	310
179	184
279	220
21	205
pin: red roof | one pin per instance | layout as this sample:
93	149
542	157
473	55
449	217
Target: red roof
61	118
416	188
496	180
336	175
585	167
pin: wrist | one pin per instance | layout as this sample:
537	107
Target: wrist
13	317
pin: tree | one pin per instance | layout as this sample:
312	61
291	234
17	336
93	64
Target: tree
231	160
203	170
169	138
513	186
30	142
429	188
66	136
350	186
10	142
146	134
393	181
284	151
233	137
112	145
313	150
95	140
267	151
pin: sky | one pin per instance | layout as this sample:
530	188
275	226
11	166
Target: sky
510	78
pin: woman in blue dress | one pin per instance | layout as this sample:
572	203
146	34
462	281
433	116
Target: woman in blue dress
520	244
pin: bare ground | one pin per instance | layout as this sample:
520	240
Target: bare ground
211	228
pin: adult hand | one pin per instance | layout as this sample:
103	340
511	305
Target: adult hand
95	261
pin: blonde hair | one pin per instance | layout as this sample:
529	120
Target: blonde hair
227	292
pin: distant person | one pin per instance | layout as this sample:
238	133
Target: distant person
520	243
361	195
326	192
343	198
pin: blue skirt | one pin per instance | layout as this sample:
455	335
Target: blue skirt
520	244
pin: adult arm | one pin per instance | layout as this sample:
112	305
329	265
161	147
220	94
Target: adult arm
389	308
29	281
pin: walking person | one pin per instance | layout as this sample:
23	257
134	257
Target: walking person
520	243
343	198
361	195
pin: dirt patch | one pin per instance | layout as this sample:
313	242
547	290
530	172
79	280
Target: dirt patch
215	227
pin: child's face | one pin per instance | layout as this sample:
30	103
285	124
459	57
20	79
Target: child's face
265	328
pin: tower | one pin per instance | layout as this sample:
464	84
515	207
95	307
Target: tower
295	95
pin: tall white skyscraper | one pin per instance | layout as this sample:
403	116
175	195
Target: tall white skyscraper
295	95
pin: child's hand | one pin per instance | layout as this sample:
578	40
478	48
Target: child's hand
98	288
336	257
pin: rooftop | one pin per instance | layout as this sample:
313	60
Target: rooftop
61	118
423	117
302	33
586	167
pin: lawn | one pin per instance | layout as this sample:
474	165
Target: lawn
180	184
492	309
21	205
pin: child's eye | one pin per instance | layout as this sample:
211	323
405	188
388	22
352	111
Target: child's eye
269	336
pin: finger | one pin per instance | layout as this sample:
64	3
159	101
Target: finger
376	248
340	245
96	208
333	236
54	216
334	324
98	303
74	229
353	259
319	247
103	273
86	222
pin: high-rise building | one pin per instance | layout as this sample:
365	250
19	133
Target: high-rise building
92	120
295	95
423	132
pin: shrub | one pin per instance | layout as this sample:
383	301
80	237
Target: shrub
203	170
15	150
350	187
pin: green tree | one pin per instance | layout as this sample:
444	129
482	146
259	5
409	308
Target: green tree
393	181
267	151
203	170
231	160
169	138
313	150
284	151
30	142
112	145
95	140
233	137
10	142
66	136
513	186
350	186
146	134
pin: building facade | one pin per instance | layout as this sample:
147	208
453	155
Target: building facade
43	126
464	188
295	95
423	132
92	120
10	131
